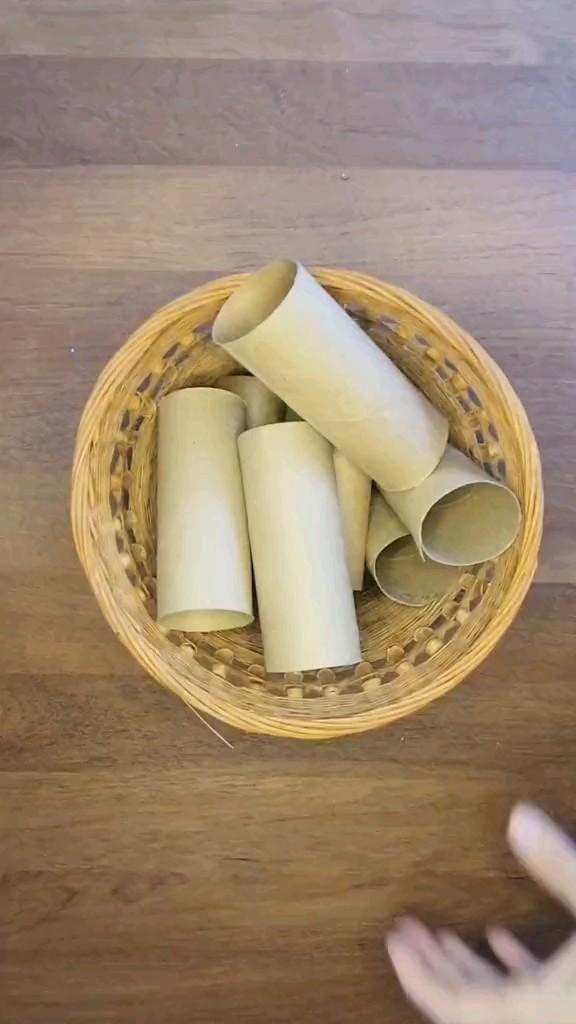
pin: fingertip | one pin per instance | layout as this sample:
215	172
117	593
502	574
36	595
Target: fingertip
405	921
404	933
395	946
494	936
404	926
390	939
525	826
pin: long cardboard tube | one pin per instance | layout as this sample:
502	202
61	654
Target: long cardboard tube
262	406
354	489
395	562
459	515
288	331
305	599
204	572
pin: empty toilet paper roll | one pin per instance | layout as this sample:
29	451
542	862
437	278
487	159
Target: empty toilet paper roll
262	406
459	515
396	564
288	331
204	571
305	599
354	490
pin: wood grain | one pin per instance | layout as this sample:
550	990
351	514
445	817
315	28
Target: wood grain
148	873
65	111
521	32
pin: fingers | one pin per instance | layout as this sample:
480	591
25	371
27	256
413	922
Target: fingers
428	978
515	957
423	942
420	983
471	966
545	851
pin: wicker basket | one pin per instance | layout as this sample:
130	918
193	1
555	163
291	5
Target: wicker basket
412	656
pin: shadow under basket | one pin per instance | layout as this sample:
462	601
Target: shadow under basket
411	655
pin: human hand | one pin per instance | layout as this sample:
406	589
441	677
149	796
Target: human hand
451	984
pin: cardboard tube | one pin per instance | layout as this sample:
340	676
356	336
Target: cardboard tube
305	600
459	515
287	330
291	416
395	563
204	576
262	406
354	489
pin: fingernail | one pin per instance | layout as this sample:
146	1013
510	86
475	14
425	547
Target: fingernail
526	825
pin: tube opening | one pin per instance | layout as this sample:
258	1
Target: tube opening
205	620
472	524
254	301
407	578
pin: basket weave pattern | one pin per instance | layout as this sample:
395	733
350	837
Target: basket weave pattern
412	655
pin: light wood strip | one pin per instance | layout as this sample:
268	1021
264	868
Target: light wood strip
456	31
401	223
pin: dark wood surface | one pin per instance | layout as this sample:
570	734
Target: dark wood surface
149	875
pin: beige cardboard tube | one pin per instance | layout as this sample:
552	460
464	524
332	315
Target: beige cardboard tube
291	416
204	573
262	406
305	599
287	330
354	489
395	562
459	515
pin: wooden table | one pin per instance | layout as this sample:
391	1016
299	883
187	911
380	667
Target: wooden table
149	875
